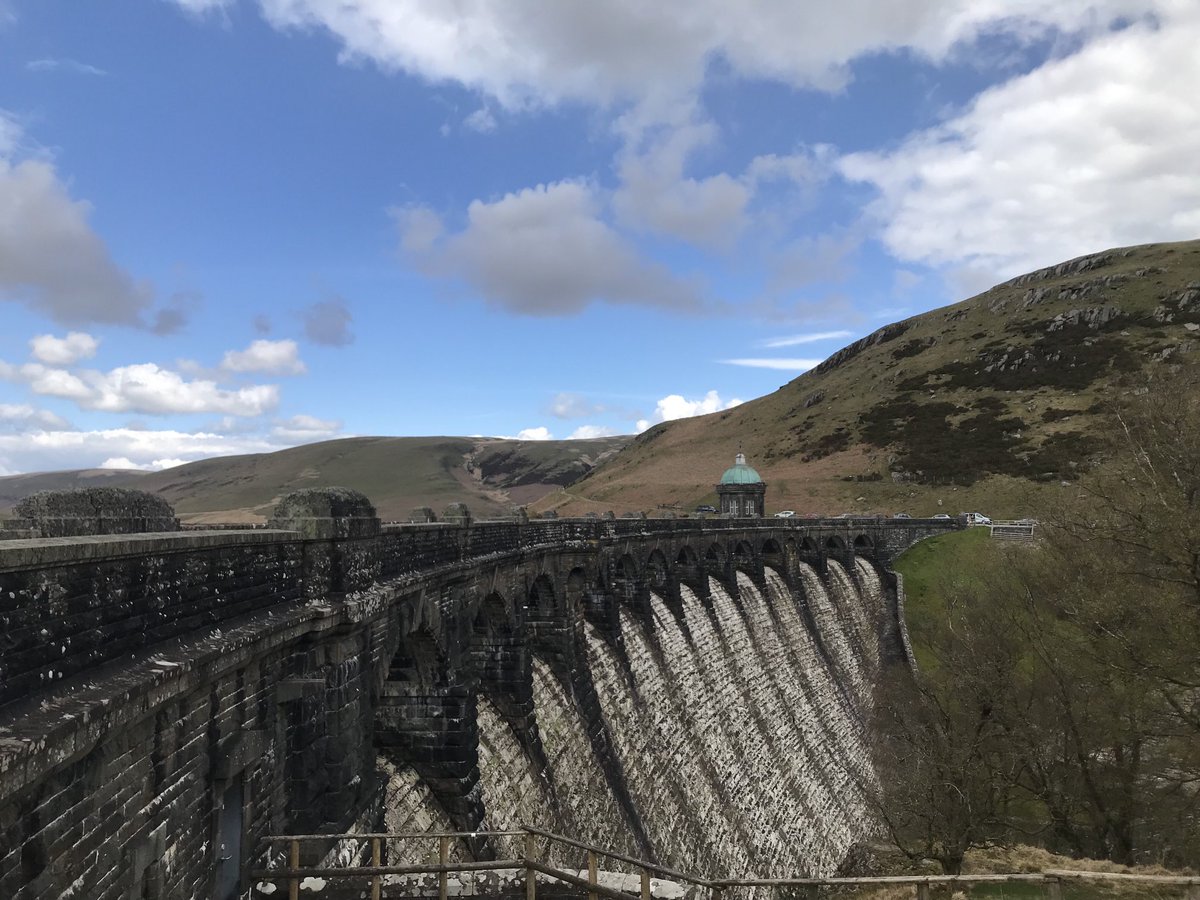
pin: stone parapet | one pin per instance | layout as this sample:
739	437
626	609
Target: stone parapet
326	513
92	511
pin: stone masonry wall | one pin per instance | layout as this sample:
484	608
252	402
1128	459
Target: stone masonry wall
147	681
60	616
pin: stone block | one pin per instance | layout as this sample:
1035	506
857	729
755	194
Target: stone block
93	511
324	513
457	514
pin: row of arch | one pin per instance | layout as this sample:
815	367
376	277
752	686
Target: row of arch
549	611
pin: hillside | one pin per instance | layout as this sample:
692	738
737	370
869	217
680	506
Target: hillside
979	405
397	473
16	487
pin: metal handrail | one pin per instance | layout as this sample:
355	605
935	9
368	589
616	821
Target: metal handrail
293	872
610	854
389	835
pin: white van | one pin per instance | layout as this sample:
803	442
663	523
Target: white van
977	519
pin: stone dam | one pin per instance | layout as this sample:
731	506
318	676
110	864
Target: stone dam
695	692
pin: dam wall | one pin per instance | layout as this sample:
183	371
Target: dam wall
690	691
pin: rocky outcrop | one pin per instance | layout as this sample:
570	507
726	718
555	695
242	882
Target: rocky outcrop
882	336
1185	304
1071	267
1093	317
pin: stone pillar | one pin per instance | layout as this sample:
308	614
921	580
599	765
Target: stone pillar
341	531
93	511
457	514
422	514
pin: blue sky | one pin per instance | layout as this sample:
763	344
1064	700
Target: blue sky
235	225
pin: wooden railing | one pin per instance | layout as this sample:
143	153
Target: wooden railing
538	861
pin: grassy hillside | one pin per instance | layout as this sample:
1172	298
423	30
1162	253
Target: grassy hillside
397	473
16	487
984	404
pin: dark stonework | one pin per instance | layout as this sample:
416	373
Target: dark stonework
335	512
422	514
145	679
457	514
87	511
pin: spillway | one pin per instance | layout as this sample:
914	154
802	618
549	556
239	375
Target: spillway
728	733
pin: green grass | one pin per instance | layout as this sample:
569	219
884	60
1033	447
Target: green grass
927	567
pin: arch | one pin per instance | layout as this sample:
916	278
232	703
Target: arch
743	553
492	619
576	588
542	600
658	573
808	545
419	659
715	554
835	542
626	567
687	556
863	542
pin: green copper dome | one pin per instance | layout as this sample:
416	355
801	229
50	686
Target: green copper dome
740	473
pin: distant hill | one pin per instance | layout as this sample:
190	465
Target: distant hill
985	404
397	473
16	487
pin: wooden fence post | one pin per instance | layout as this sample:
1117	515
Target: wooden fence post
1054	887
530	872
294	863
443	876
645	885
376	861
593	873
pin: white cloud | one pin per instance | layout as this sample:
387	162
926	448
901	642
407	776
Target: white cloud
63	351
656	195
51	260
11	132
271	357
203	7
584	432
789	365
542	251
676	406
142	388
302	429
1092	150
481	120
157	465
48	450
814	338
541	433
23	417
73	66
566	405
522	51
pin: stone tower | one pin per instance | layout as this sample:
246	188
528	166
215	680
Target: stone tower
742	491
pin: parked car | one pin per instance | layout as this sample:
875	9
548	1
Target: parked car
707	509
901	516
942	516
785	514
977	519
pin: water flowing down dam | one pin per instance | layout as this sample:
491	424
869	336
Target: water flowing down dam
693	693
738	729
